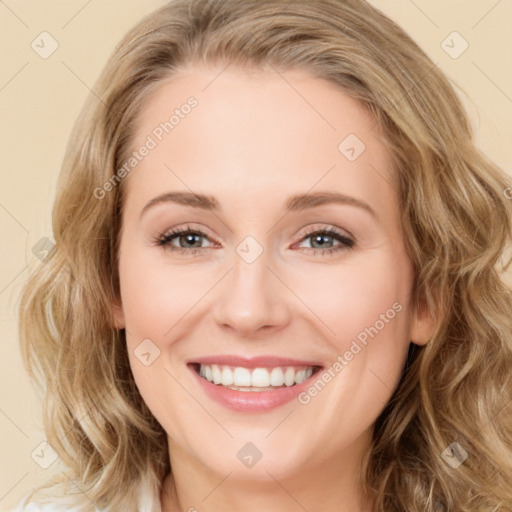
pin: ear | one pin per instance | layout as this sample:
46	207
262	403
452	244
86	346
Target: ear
423	325
118	320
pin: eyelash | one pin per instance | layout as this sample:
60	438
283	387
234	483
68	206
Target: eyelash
164	240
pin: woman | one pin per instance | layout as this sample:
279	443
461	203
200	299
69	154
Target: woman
337	336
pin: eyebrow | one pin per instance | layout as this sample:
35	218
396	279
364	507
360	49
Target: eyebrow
294	203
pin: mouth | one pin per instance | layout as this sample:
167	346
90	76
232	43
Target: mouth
239	378
253	385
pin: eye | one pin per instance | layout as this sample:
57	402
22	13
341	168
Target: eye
190	241
322	240
190	238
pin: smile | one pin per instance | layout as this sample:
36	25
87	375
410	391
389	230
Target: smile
256	379
256	384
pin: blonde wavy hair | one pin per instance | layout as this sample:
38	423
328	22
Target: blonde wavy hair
456	222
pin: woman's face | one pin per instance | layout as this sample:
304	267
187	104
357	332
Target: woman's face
291	261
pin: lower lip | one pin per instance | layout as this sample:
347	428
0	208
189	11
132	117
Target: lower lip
252	401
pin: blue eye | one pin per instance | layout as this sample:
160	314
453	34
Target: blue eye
320	236
185	236
191	241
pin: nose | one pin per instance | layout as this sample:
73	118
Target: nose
252	300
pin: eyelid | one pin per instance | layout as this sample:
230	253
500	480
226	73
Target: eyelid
312	229
175	232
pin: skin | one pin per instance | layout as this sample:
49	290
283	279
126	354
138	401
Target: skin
256	138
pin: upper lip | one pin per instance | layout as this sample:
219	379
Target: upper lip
252	362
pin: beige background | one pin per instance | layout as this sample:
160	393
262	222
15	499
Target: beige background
40	99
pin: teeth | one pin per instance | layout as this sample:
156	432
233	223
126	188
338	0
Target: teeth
276	377
216	374
227	376
243	379
289	376
260	378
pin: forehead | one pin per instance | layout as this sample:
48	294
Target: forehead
254	132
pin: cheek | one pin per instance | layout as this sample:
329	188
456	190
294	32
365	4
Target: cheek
351	297
367	358
367	307
365	317
156	295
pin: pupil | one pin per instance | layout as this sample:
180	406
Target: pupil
190	239
318	239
